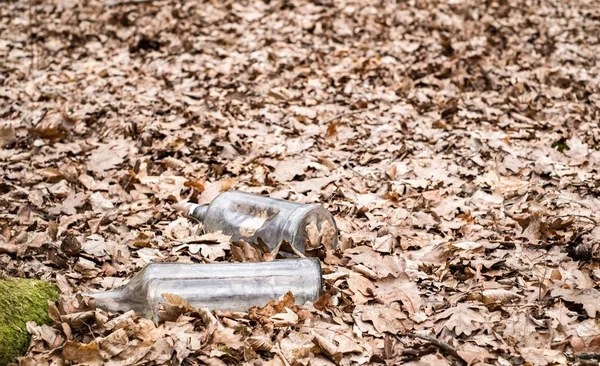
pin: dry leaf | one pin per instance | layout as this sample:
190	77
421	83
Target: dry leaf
108	156
588	298
543	357
391	289
383	319
455	143
286	319
297	345
260	343
462	318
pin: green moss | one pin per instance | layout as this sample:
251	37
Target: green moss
21	300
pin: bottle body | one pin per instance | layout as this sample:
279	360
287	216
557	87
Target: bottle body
253	218
225	286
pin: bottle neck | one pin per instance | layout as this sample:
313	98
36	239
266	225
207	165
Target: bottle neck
198	212
111	300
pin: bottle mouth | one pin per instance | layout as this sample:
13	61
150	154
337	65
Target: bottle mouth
320	271
311	227
192	210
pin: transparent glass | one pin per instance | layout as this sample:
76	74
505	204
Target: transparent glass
250	217
223	286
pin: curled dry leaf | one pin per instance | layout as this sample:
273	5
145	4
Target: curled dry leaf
213	247
82	353
496	296
260	343
179	229
383	319
297	346
543	357
173	163
374	265
108	156
228	337
173	308
588	298
286	319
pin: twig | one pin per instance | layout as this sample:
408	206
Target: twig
347	164
275	250
504	242
130	2
543	277
338	332
297	252
346	113
33	125
560	344
580	216
575	202
32	18
588	355
436	342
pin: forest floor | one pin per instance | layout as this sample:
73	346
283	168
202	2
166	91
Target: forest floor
455	142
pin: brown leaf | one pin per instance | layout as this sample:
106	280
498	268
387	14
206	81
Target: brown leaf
70	245
297	345
373	264
108	156
462	318
212	190
286	170
497	296
7	248
287	319
260	343
322	302
70	204
588	298
245	252
228	337
113	344
543	357
176	300
169	312
391	289
82	353
52	175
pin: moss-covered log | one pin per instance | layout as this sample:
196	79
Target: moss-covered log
21	300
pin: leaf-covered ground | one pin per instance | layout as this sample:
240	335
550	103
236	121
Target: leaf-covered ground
456	142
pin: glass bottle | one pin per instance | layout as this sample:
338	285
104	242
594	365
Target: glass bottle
251	217
223	286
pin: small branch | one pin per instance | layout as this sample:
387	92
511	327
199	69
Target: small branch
32	19
130	2
504	242
297	252
560	344
588	355
436	342
581	217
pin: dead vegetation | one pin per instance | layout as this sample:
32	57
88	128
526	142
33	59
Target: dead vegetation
456	142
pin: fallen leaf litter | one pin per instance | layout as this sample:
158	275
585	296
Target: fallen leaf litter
455	142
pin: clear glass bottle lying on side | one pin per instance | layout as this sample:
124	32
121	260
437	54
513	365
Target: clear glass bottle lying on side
224	286
250	217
